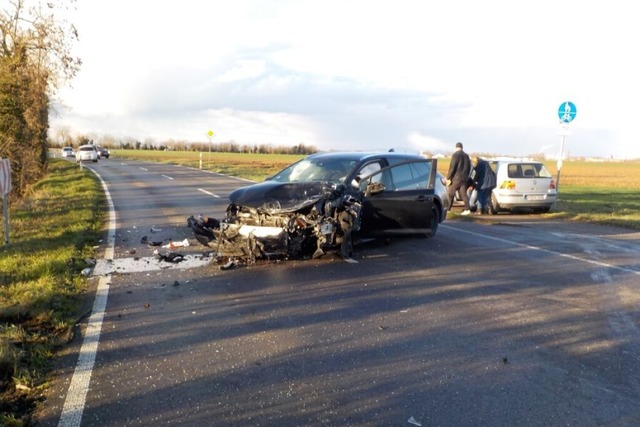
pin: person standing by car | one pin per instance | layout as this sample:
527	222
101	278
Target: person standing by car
458	177
485	182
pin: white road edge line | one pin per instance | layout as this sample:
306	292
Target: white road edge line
537	248
74	403
209	193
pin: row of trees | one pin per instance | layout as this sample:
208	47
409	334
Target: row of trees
35	59
64	138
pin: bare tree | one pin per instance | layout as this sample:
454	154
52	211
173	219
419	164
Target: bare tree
35	59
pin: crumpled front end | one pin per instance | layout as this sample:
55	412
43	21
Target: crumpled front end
321	223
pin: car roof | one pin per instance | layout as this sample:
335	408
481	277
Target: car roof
512	160
364	155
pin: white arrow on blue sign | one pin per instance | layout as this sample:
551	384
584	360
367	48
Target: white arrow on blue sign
567	112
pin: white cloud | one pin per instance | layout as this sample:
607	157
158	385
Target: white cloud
358	74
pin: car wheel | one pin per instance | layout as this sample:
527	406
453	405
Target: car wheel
544	210
435	222
494	206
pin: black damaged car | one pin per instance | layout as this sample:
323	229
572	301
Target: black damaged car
327	201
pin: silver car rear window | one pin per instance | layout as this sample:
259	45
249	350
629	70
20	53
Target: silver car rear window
527	170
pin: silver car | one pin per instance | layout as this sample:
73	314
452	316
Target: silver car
522	184
67	152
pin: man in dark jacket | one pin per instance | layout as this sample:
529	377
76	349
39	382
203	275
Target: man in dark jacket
458	177
485	180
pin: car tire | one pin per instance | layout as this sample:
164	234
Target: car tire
494	206
435	222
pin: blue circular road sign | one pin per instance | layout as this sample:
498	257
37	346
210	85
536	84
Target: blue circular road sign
567	112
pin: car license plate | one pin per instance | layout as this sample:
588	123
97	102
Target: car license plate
535	197
326	228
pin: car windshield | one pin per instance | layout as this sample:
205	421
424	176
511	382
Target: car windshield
308	170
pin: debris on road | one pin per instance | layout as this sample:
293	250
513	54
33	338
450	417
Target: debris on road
413	421
182	244
229	265
173	257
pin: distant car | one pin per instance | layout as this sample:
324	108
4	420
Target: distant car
103	152
67	152
86	153
522	184
325	200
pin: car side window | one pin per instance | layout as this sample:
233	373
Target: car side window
368	169
411	176
365	177
379	178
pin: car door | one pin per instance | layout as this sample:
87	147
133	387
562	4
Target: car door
398	199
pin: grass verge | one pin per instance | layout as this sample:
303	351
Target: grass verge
607	206
52	234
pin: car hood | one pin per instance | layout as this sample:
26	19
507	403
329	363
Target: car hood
275	196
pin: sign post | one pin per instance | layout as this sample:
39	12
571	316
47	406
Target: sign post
210	135
5	189
566	113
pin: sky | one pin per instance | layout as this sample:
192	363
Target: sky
359	74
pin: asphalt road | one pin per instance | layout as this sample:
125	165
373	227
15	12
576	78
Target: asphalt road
496	321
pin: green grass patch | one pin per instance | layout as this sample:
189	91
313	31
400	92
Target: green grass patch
255	167
52	231
613	206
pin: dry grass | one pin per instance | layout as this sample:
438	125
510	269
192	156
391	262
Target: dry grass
620	175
